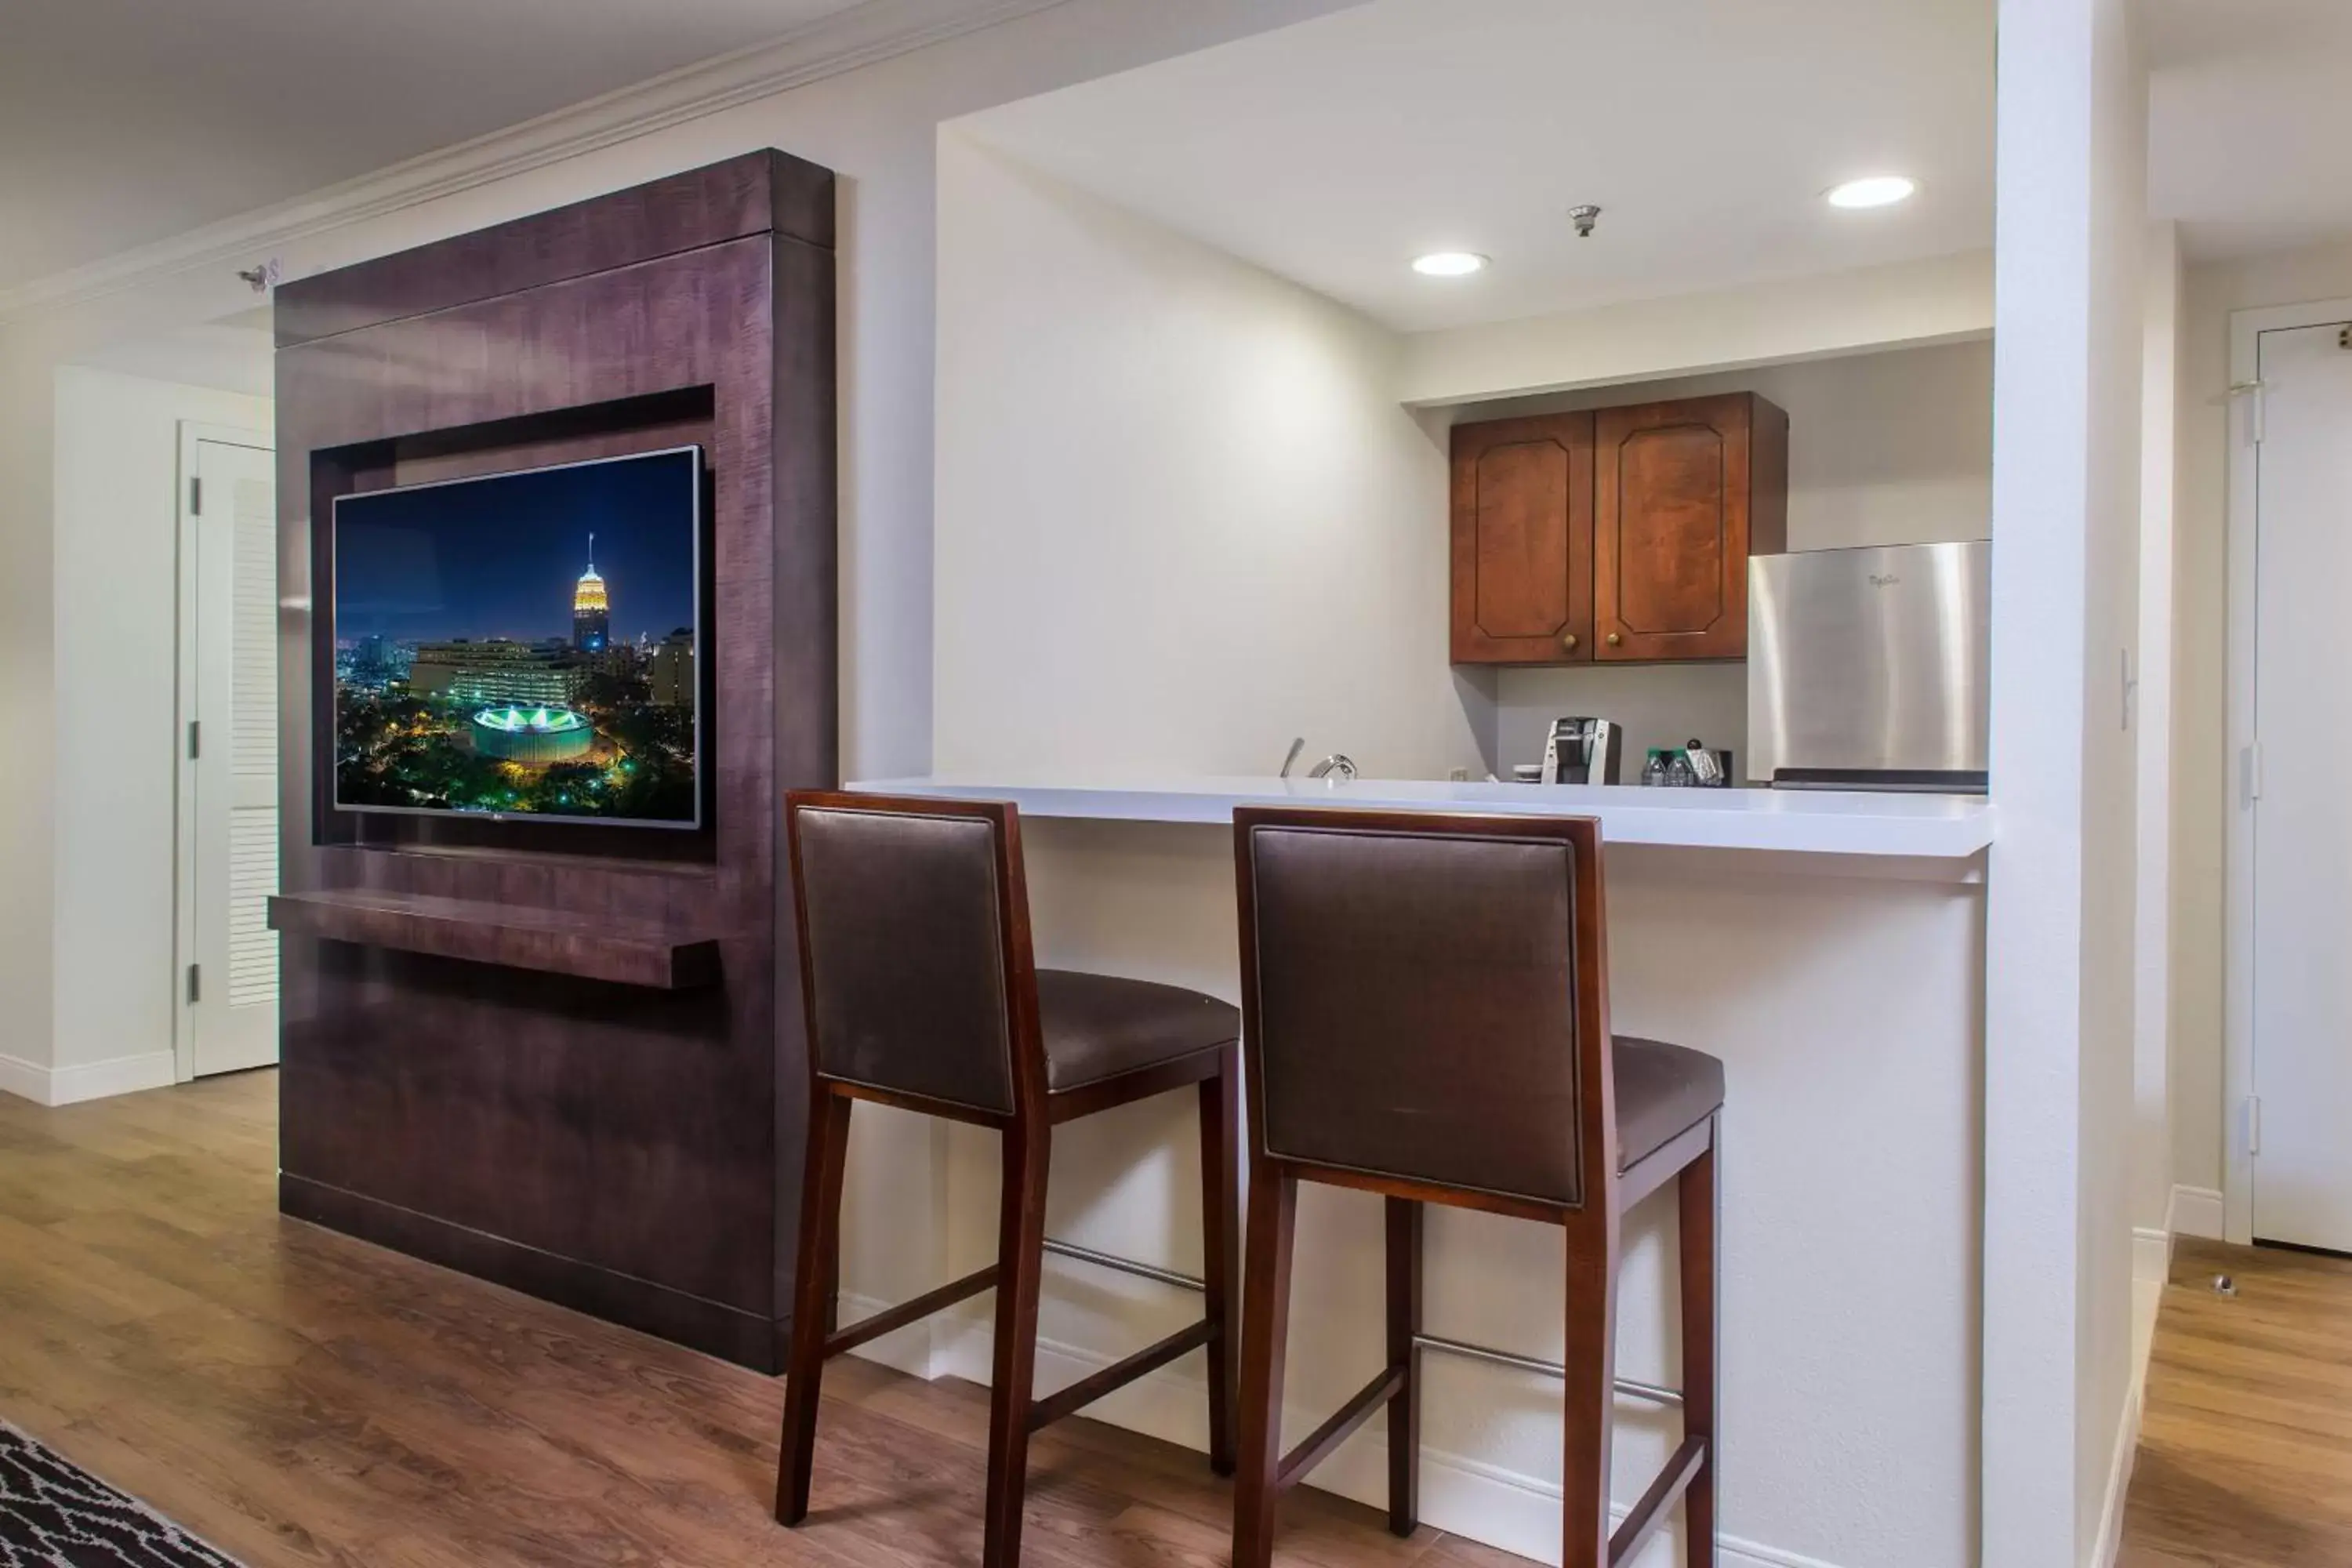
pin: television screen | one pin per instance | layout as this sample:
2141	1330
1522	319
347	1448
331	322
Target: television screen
523	644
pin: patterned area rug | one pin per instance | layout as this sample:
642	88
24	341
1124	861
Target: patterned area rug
56	1515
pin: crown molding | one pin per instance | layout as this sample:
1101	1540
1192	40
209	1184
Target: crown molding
862	36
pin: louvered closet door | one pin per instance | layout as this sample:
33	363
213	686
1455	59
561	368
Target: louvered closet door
234	1015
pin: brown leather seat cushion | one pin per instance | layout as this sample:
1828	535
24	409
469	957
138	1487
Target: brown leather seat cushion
1662	1091
1099	1026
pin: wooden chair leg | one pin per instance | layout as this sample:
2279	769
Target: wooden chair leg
1404	1323
1221	1241
1590	1396
1266	1325
814	1287
1701	1202
1020	1263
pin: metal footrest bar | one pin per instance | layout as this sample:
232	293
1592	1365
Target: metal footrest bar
1648	1392
1124	1266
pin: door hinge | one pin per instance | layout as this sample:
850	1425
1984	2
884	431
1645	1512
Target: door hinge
196	738
2254	1124
2255	390
2250	774
196	495
195	984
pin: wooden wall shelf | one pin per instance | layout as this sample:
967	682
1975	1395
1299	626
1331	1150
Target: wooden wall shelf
511	935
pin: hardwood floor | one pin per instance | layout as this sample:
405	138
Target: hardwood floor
300	1398
2245	1456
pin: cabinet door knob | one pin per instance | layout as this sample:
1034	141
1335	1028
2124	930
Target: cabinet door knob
1567	640
1614	639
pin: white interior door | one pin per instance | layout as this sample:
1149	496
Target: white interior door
2301	1120
229	780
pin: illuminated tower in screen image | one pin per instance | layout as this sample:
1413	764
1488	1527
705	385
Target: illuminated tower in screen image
591	611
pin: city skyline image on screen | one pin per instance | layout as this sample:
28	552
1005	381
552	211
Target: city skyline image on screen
523	644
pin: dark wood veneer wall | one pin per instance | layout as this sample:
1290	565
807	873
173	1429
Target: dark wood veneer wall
567	1057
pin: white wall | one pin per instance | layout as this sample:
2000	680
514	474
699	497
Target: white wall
1941	300
235	355
2107	1422
116	603
2058	1044
2153	956
1892	447
27	709
1182	518
2201	777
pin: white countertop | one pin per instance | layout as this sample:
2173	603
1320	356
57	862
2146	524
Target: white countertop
1928	827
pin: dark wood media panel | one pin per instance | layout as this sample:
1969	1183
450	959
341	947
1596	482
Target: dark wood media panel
570	1056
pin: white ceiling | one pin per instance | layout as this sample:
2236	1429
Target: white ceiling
125	121
2249	115
1335	151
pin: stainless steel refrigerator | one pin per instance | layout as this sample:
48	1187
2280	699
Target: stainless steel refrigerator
1868	669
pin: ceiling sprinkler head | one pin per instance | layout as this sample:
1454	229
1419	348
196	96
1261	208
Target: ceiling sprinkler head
1584	217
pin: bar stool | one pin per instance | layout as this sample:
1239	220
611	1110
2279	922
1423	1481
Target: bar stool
1424	999
922	992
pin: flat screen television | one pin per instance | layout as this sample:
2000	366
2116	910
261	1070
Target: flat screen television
524	646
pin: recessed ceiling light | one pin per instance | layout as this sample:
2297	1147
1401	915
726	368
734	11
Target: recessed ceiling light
1873	191
1449	264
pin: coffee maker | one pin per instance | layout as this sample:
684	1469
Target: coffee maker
1583	751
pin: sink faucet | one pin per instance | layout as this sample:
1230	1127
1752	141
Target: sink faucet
1338	766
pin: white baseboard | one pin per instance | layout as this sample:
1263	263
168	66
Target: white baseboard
23	1079
2146	1299
2197	1211
85	1081
2119	1471
1463	1495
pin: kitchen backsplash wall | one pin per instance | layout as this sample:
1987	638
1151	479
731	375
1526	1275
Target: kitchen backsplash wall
1659	704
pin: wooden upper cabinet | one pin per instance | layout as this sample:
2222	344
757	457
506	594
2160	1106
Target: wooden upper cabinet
1522	564
1683	492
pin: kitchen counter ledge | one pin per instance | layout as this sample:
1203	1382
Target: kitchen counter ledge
1930	828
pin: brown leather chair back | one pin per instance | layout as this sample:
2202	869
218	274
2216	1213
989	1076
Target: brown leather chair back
915	943
1423	998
